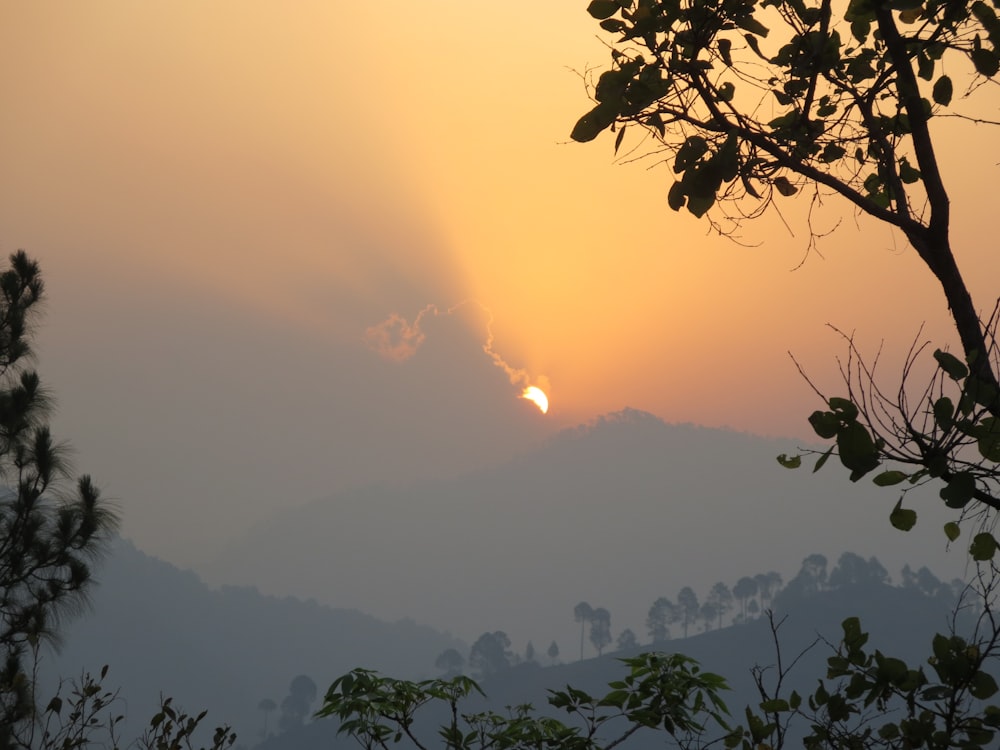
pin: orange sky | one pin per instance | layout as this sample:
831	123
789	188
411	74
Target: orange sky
304	170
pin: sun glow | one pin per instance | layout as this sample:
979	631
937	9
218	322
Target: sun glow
537	395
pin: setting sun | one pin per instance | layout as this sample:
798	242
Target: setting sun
537	395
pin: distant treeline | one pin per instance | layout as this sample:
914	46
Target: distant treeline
723	605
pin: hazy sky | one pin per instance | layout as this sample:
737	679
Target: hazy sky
228	197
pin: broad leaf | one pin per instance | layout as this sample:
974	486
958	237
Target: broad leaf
784	187
951	364
986	62
952	531
857	450
988	434
601	9
889	478
983	546
824	423
943	91
959	491
591	125
944	413
902	518
676	197
691	151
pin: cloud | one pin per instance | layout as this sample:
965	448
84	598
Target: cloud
397	339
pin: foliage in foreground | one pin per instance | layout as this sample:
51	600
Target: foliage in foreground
868	699
84	713
51	535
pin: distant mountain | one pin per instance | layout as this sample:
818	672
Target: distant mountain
162	631
615	512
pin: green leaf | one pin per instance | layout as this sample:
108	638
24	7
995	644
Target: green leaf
698	204
754	45
902	518
823	459
983	686
983	546
857	450
925	66
824	423
601	9
784	187
846	408
832	152
852	631
952	531
943	91
591	125
907	173
951	364
751	24
860	29
690	151
988	434
790	462
889	478
959	491
944	413
986	62
725	51
676	197
775	705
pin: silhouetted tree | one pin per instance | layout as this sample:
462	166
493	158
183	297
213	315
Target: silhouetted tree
768	585
690	609
929	584
708	614
267	707
295	706
811	577
721	598
529	652
49	535
854	570
582	613
450	662
627	640
661	615
553	651
491	653
600	629
744	590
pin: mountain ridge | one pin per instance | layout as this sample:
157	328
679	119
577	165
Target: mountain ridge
625	496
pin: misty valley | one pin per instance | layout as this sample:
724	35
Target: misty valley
262	663
261	660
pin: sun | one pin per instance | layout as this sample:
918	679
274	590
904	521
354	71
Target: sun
537	395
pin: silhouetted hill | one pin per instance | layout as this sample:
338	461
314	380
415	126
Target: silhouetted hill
162	630
618	512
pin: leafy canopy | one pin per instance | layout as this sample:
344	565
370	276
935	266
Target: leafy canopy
753	101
